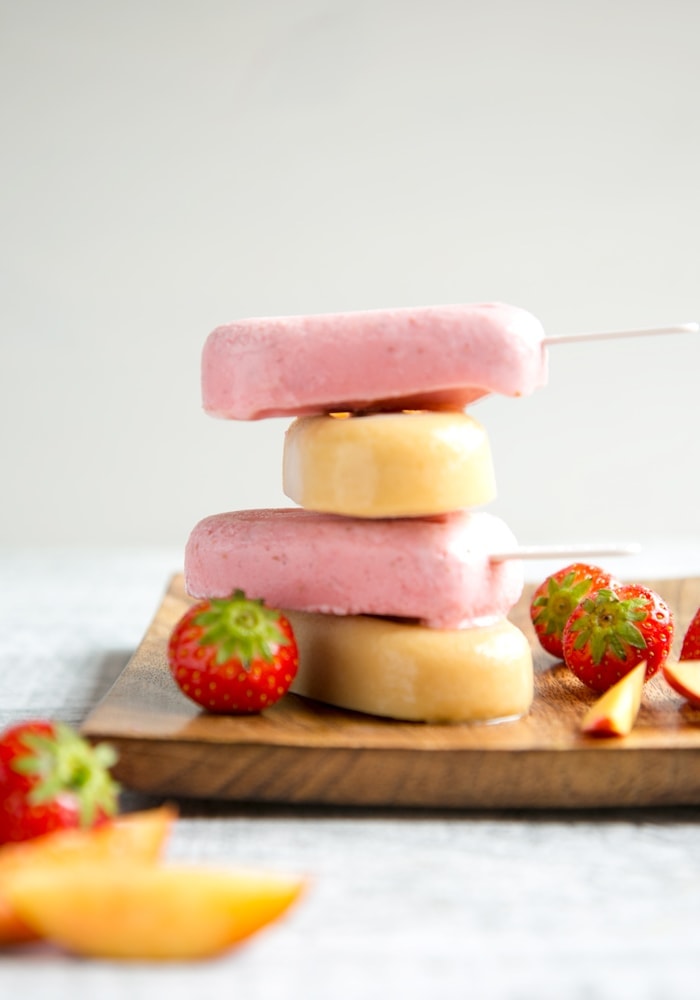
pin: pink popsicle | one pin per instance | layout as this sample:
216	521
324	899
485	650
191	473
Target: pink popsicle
434	570
426	358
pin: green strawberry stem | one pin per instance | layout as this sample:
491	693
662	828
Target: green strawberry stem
608	625
62	763
241	629
555	607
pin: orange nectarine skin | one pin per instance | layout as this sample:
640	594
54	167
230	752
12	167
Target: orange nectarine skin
139	835
149	912
13	930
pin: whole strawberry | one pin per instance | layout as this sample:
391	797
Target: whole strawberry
233	655
690	650
614	629
557	596
52	779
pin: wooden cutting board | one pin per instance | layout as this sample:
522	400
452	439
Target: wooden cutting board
300	751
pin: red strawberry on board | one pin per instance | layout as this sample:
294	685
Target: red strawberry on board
52	779
557	596
690	650
233	655
614	629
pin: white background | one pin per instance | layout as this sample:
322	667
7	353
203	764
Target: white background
170	165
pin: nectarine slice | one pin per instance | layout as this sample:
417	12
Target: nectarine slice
149	912
684	677
615	713
131	836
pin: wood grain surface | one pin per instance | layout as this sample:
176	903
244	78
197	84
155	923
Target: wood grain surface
302	752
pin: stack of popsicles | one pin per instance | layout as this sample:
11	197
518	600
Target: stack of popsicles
386	570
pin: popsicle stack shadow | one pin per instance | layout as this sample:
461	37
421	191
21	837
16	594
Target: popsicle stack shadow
384	568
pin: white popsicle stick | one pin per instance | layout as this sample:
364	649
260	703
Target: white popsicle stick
564	552
569	338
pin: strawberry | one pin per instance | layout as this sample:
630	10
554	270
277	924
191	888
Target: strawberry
690	650
52	779
233	655
557	596
614	629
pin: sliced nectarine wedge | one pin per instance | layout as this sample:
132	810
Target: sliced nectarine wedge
132	836
684	677
149	912
615	713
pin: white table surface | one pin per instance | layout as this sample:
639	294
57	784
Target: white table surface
520	905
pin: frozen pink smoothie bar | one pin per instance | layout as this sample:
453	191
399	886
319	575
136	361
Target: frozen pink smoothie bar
427	358
434	570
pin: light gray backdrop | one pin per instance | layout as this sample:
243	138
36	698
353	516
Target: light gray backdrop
169	165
